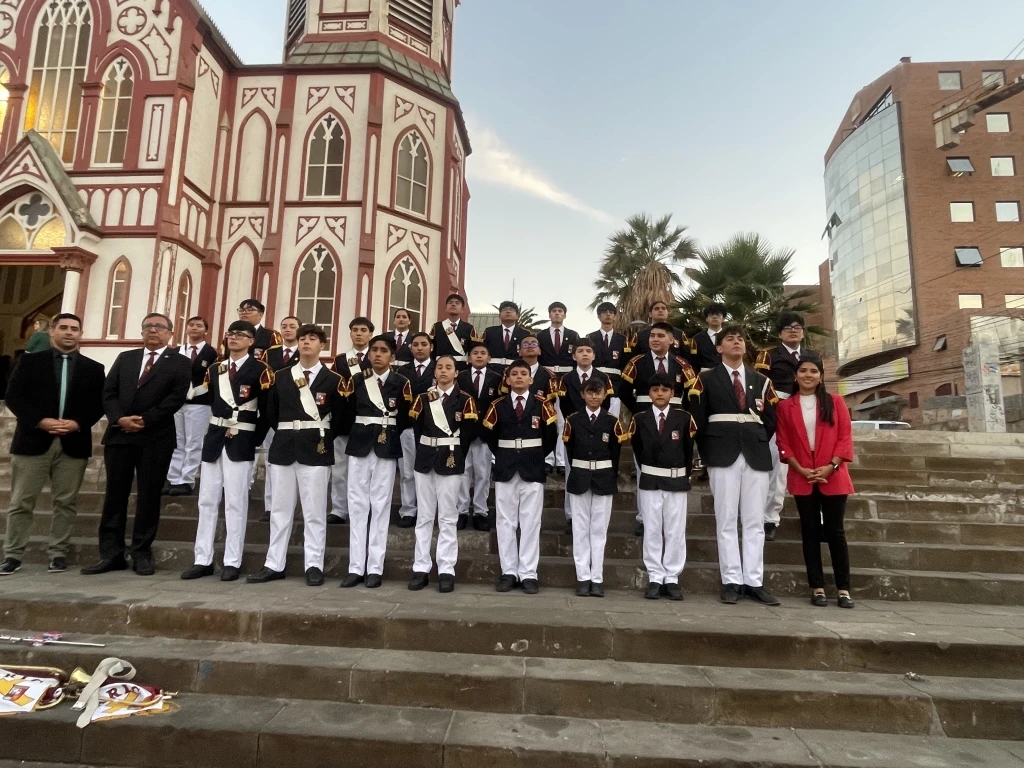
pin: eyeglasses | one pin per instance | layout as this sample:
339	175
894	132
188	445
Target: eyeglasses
238	335
154	327
531	345
793	327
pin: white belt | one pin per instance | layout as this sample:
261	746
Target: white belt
436	442
562	368
202	389
611	371
241	426
286	425
502	360
533	442
647	399
782	395
737	418
663	471
591	465
249	406
379	421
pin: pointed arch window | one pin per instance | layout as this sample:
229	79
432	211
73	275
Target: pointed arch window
58	69
115	107
316	289
412	174
183	303
117	299
325	160
405	291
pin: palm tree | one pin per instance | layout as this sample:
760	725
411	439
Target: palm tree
636	269
748	276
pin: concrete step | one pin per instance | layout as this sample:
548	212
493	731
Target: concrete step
701	543
251	732
605	689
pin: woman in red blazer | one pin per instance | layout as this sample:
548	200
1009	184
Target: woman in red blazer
816	440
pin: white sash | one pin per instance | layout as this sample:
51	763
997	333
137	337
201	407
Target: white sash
225	392
439	416
455	341
306	397
375	395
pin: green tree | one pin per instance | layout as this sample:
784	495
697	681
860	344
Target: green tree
748	276
637	266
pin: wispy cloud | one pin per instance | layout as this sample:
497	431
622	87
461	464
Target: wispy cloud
494	162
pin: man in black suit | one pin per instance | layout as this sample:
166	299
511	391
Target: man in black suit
143	391
191	421
252	311
57	397
557	345
420	373
706	342
401	335
503	340
610	353
734	410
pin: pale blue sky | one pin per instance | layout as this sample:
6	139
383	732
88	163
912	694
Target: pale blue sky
583	112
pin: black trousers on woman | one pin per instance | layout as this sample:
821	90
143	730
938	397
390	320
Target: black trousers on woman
824	514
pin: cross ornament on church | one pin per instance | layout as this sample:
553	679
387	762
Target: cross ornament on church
33	210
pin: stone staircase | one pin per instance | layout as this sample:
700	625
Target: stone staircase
928	671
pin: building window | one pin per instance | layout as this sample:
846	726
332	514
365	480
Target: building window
1012	256
325	162
115	106
993	77
405	291
968	256
55	95
998	122
970	301
960	166
117	299
961	211
949	81
1014	300
413	172
1008	211
296	23
418	15
31	223
183	303
316	289
1002	166
940	344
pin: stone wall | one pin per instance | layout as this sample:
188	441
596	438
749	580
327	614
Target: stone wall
949	413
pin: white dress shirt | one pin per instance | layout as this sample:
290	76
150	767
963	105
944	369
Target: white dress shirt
186	349
145	358
742	370
313	372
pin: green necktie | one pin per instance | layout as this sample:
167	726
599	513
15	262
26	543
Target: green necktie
63	385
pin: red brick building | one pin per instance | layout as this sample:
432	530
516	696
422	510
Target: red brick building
925	244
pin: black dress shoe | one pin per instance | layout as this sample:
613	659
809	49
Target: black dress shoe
419	581
664	590
462	522
507	583
819	600
142	564
560	471
674	591
265	517
583	589
445	583
105	566
351	580
845	601
263	576
407	522
770	530
197	572
333	519
314	577
653	591
530	586
596	589
229	573
481	523
9	566
762	595
57	565
180	490
730	594
166	489
374	580
638	530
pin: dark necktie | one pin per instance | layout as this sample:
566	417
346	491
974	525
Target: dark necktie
593	418
454	326
519	406
149	365
419	369
661	423
287	356
476	383
306	374
661	365
398	341
194	353
583	379
380	383
558	341
360	356
444	398
796	357
605	340
63	385
507	338
232	371
737	385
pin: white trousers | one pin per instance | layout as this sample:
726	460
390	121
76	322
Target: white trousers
339	478
518	504
476	481
230	478
268	484
739	493
309	486
407	474
591	515
438	497
776	486
557	457
371	483
190	423
664	534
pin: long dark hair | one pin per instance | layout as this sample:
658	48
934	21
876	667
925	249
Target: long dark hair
825	408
